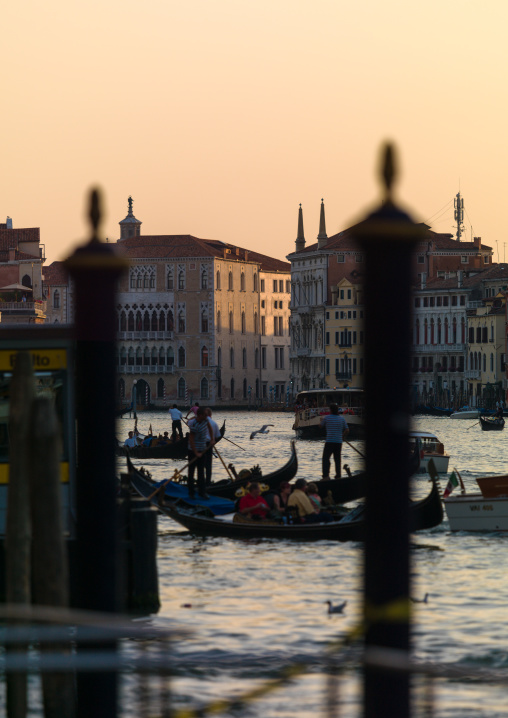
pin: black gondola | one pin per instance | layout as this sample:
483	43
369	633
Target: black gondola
125	410
490	423
176	450
424	514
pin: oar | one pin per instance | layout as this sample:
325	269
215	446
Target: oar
223	464
232	442
177	473
354	447
470	427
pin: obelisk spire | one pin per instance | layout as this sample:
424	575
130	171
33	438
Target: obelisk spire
322	236
300	240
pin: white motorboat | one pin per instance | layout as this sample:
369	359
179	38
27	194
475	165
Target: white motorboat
487	511
466	413
430	448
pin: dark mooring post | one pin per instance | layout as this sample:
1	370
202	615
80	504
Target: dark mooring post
95	269
387	236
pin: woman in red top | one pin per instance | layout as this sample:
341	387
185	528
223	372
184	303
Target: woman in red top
253	504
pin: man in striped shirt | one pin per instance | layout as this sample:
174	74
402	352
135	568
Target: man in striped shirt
200	435
336	429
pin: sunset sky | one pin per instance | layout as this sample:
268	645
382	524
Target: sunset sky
220	116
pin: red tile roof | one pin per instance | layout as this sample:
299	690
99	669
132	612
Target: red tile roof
55	275
10	238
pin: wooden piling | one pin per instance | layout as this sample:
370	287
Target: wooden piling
49	556
18	531
144	590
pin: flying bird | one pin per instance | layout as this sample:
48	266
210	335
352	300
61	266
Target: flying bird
336	609
263	430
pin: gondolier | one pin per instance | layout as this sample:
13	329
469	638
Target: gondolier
336	429
200	440
176	416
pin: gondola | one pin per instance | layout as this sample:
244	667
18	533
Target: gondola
125	410
176	450
424	514
489	423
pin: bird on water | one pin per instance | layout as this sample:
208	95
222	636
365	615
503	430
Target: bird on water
339	608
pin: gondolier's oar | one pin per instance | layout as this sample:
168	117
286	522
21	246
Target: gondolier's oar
354	447
224	437
470	427
223	464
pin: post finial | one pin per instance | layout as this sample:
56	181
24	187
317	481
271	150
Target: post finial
388	169
95	213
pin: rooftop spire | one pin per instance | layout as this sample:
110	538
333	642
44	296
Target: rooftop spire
130	201
322	236
300	240
130	226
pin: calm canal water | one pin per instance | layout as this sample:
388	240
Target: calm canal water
257	605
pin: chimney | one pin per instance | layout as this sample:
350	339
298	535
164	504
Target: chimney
459	278
424	280
246	255
12	254
477	242
8	223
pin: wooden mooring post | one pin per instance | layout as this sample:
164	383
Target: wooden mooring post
388	236
95	269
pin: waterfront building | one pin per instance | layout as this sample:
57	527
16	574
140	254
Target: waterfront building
344	336
487	350
202	320
22	255
57	289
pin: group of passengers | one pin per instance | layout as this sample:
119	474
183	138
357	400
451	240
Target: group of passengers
301	500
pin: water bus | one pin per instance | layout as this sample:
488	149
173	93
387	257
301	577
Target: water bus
311	405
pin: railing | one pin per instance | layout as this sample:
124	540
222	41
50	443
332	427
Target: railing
343	376
38	307
472	374
146	369
429	348
123	336
303	352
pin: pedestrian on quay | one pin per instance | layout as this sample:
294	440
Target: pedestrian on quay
200	439
176	416
336	430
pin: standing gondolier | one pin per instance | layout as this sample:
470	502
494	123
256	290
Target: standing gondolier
176	416
336	429
200	440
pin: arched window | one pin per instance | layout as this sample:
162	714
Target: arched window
130	322
218	321
454	330
256	323
432	331
146	322
170	280
204	278
145	281
245	388
232	388
471	360
244	358
56	299
243	322
162	322
232	358
219	356
146	357
204	321
170	356
256	360
123	322
154	356
162	356
131	356
123	356
255	281
242	282
181	388
231	322
446	330
257	388
204	388
153	322
484	362
204	356
426	332
26	281
181	322
152	281
170	321
217	280
139	357
463	331
439	331
492	362
230	281
181	357
139	281
161	389
181	279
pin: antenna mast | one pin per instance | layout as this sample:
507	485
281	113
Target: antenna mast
459	215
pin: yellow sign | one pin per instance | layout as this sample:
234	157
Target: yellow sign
42	359
64	473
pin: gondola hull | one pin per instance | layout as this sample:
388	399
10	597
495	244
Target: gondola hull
177	450
424	514
491	424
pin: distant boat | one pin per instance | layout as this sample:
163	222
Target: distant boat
491	423
483	512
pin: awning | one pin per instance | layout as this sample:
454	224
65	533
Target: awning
15	287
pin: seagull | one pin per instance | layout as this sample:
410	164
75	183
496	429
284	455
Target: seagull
420	600
336	609
263	430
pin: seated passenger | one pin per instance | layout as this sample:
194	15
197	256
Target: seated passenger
306	510
147	440
253	504
313	494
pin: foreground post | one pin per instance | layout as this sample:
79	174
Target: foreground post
388	236
95	269
18	528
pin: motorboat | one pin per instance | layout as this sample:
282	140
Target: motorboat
467	413
430	448
480	512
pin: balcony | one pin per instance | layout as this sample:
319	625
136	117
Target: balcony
145	369
429	348
472	374
126	336
13	308
343	376
303	352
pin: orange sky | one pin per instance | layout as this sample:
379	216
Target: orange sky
220	116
